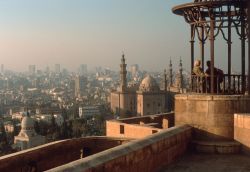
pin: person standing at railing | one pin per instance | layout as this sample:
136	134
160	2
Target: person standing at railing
199	76
218	77
197	69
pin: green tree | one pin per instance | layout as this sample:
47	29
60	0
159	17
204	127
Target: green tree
64	131
37	127
43	127
4	145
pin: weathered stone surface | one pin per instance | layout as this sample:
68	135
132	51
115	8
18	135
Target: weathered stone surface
139	127
210	162
242	130
225	147
211	115
57	153
155	151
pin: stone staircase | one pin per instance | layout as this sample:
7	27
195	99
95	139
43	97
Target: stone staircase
217	147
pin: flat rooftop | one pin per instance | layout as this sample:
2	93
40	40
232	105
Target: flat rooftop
209	162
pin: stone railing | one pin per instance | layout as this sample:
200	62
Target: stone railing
146	155
55	154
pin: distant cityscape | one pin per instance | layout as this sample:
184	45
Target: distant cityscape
123	118
58	104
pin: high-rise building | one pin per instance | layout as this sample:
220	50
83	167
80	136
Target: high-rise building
83	69
2	68
32	69
80	85
57	68
47	70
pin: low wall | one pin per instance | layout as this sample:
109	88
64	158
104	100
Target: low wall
150	119
145	155
139	127
57	153
135	131
212	116
242	131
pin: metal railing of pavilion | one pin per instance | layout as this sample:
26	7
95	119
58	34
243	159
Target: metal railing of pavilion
207	19
225	85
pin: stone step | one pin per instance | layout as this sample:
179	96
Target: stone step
217	147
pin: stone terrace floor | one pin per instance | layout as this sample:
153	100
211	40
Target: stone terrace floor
210	163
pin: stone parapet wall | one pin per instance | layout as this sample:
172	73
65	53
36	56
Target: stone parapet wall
145	155
135	131
150	118
210	115
139	127
242	131
57	153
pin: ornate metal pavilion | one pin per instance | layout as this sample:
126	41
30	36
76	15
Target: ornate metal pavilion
208	19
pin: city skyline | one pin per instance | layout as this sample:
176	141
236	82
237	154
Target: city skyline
95	33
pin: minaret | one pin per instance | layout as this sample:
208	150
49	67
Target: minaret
123	74
171	73
180	73
165	80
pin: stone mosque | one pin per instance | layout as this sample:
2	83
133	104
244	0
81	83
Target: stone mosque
145	99
28	138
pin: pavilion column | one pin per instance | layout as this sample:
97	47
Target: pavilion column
202	42
192	53
192	47
248	48
243	54
229	50
212	26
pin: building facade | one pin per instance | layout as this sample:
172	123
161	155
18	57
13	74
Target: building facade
80	85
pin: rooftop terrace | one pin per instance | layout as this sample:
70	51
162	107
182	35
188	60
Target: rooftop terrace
207	163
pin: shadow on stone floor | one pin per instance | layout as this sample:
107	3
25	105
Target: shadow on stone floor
193	162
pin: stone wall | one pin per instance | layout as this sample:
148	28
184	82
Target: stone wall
135	131
145	155
123	103
157	118
150	103
139	127
57	153
212	116
242	131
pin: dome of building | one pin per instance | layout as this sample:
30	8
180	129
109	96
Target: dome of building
27	123
149	84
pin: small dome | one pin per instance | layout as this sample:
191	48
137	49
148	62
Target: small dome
149	84
27	123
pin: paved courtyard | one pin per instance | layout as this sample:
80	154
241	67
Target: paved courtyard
211	163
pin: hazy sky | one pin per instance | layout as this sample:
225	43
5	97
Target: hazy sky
95	32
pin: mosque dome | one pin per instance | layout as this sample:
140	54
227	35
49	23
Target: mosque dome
27	123
149	84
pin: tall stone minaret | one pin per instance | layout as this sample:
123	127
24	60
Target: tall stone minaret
123	74
181	76
165	80
171	73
